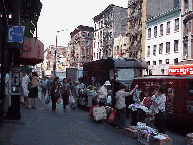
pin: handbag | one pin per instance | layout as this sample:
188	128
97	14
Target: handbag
58	101
103	100
47	101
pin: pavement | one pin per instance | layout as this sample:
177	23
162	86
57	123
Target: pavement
42	126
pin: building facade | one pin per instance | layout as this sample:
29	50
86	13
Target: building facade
120	46
187	27
109	24
163	45
49	58
136	28
81	46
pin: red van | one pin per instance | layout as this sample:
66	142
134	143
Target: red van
179	95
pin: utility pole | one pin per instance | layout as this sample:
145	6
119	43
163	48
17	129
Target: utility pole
3	53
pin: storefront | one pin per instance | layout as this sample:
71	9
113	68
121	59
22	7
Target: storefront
184	69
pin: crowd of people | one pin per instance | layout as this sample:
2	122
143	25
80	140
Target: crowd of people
123	96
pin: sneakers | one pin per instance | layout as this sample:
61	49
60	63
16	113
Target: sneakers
34	107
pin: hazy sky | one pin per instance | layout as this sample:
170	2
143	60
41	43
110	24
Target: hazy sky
60	15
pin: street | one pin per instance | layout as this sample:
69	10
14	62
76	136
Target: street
75	127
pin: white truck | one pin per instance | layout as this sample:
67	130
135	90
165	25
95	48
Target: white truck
74	73
61	74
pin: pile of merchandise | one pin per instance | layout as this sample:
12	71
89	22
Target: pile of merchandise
149	136
136	106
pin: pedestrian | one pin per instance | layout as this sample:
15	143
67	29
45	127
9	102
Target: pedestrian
55	92
33	91
49	85
128	101
102	98
65	93
75	94
120	106
159	101
44	88
25	92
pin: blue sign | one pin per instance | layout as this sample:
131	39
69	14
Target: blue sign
15	34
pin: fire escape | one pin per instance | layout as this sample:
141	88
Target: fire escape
135	28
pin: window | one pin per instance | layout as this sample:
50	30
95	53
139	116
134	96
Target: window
94	44
167	61
154	50
186	3
162	71
185	50
160	61
98	34
161	29
168	28
88	34
118	48
155	31
176	61
94	54
149	33
148	62
161	48
186	28
99	25
175	45
98	44
97	56
148	51
176	24
95	27
154	62
83	34
95	34
102	23
167	47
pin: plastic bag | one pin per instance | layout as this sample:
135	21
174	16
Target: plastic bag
111	118
47	101
91	110
71	99
58	101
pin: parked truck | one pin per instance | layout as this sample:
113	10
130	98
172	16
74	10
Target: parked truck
61	74
74	73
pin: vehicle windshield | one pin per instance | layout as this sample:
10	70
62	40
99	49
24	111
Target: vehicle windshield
125	74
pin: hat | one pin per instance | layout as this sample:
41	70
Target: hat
107	83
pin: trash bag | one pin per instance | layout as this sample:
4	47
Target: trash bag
47	101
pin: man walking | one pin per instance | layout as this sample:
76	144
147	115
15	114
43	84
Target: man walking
49	85
44	88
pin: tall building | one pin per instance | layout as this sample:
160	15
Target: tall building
163	41
136	28
109	24
81	46
187	27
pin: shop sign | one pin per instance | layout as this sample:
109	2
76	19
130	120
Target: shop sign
181	70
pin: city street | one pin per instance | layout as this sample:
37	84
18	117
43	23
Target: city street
43	126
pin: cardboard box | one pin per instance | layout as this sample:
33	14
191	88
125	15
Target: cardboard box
155	141
132	133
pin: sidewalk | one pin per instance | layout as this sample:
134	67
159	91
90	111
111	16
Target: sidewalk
36	126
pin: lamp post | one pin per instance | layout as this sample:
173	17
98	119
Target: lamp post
55	55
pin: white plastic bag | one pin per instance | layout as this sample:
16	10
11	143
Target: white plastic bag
99	113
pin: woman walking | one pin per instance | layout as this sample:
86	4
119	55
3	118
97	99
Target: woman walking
33	91
65	93
55	92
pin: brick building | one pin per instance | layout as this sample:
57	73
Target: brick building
109	24
81	46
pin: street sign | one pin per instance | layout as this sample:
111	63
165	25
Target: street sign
15	34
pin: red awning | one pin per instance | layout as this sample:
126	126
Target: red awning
33	52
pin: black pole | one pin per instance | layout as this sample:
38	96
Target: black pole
3	54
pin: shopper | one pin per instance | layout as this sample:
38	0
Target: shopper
75	94
55	92
102	98
159	101
44	88
120	105
65	93
33	91
49	85
25	92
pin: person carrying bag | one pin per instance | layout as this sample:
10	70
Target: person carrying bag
55	93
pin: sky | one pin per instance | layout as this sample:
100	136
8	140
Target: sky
67	15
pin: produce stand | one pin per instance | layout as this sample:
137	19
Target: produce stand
86	95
